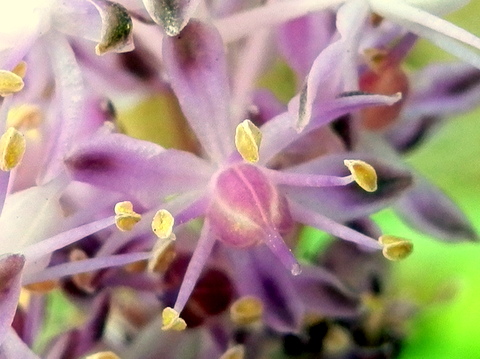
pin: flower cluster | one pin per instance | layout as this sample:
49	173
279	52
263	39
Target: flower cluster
187	250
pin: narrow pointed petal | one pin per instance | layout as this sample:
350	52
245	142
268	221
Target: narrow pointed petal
302	39
324	294
349	202
430	211
260	275
172	15
441	32
10	276
195	63
139	168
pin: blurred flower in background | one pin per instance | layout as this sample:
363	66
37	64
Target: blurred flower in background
243	150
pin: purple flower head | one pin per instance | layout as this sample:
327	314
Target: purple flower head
244	202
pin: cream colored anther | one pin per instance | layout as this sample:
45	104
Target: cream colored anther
10	83
103	355
246	310
125	217
235	352
162	224
395	248
163	254
25	117
363	173
12	149
171	320
247	141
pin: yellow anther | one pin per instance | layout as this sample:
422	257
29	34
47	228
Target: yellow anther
336	341
395	248
10	83
20	69
246	310
12	149
162	224
24	116
363	174
171	320
103	355
125	217
235	352
43	287
247	140
163	254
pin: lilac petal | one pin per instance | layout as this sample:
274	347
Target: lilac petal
14	347
266	107
34	319
279	132
195	62
301	40
430	211
441	32
260	275
139	168
371	268
324	294
349	202
173	15
11	266
70	93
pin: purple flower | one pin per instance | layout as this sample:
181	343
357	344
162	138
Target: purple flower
243	201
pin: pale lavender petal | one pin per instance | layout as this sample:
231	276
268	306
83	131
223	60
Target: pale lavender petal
173	15
140	168
301	40
260	275
195	63
14	347
266	106
11	266
441	32
429	210
351	201
322	293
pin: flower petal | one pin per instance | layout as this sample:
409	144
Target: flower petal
14	347
349	202
195	62
173	15
139	168
430	211
11	266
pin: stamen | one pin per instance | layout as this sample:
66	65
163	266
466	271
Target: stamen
103	355
247	140
20	69
246	310
9	83
171	320
12	148
306	180
43	287
163	254
395	248
82	280
125	217
162	224
363	174
25	117
236	352
337	340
